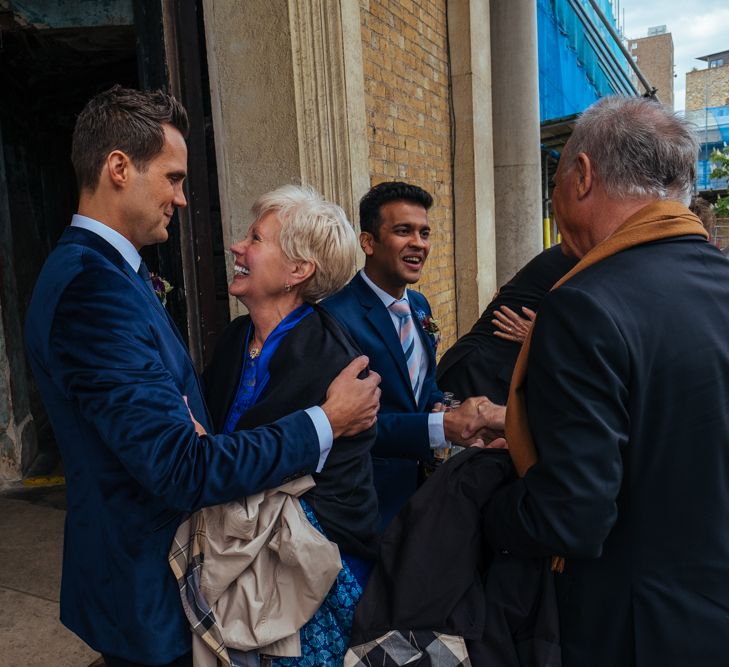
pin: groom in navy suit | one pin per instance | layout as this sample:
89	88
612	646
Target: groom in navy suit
395	328
115	376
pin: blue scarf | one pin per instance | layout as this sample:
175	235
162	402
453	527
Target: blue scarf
255	375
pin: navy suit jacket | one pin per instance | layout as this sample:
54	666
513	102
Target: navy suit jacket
112	370
402	423
628	402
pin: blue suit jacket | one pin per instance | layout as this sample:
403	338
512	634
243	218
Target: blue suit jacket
112	370
402	424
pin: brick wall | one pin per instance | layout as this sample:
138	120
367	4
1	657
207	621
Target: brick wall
405	54
707	88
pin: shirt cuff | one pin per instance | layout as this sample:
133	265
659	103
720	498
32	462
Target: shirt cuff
436	432
323	432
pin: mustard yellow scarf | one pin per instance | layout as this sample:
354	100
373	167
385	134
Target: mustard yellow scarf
659	220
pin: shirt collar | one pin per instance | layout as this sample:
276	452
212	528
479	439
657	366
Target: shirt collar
387	299
120	243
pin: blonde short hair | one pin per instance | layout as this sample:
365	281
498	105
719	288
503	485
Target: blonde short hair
312	230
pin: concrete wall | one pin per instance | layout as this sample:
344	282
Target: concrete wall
405	60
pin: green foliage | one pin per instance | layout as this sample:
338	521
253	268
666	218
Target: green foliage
720	163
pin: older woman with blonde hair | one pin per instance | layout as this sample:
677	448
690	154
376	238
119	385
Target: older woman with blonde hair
283	355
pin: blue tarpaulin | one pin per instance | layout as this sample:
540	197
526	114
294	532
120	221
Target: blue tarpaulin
573	71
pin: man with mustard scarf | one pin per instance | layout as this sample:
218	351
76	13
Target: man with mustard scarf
618	416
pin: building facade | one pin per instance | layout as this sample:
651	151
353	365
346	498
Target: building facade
707	107
654	56
339	94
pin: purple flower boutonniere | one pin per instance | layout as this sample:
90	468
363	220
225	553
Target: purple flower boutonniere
161	287
430	326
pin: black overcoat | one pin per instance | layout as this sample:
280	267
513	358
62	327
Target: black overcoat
628	403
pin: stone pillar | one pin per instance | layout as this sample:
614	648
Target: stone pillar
517	172
287	96
253	106
326	43
473	173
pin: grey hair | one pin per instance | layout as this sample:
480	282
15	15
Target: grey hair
312	230
637	147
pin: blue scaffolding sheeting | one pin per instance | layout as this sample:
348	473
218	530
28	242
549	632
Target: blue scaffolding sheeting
712	127
579	61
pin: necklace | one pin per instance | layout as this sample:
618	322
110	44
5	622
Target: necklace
253	351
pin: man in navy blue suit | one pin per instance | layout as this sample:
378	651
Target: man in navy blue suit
625	388
395	328
115	375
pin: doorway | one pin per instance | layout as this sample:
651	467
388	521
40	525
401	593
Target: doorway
50	65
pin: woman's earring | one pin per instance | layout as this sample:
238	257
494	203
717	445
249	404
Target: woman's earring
287	287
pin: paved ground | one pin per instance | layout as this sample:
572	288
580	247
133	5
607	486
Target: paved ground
31	526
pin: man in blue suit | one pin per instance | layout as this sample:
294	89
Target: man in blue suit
115	376
395	328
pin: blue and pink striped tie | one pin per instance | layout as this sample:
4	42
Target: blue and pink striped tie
401	309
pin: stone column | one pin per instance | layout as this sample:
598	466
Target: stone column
287	95
517	172
473	173
326	39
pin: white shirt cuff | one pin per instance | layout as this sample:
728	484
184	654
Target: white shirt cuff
323	431
436	432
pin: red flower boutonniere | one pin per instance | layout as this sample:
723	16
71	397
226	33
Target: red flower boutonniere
430	326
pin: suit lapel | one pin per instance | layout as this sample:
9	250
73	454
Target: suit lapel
381	323
95	242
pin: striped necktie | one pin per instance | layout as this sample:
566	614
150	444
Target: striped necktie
401	309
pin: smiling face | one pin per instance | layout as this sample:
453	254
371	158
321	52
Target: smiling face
395	258
261	269
155	192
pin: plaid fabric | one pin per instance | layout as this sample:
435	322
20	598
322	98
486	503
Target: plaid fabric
186	559
419	649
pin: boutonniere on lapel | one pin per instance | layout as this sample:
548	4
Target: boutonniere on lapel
430	326
161	287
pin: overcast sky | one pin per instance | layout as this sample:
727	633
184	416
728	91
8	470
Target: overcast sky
699	27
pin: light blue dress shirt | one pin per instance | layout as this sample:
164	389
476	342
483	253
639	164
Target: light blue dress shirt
125	248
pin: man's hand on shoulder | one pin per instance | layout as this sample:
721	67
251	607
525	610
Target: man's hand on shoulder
352	403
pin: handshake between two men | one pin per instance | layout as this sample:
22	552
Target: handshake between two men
477	422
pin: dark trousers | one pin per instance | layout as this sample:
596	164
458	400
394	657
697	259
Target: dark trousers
182	661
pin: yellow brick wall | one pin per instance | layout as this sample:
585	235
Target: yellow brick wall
707	88
405	57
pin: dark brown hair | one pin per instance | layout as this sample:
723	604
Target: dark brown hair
122	119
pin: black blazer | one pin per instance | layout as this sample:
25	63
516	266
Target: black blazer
436	572
481	364
305	363
628	401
